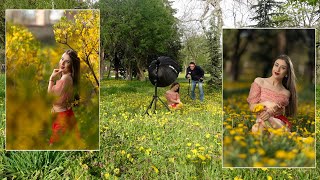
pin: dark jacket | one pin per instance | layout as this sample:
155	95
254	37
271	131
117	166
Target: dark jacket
196	73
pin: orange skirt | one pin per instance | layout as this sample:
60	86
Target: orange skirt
64	122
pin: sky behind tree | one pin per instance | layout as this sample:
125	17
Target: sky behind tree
235	13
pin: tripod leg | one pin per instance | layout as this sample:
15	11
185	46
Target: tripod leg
149	107
155	104
164	104
189	88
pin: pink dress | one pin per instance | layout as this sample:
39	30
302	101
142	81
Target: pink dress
172	96
260	94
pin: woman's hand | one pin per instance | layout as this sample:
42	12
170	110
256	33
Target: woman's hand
269	104
264	116
274	109
55	73
271	107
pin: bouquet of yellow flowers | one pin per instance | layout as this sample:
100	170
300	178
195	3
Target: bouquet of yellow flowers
257	109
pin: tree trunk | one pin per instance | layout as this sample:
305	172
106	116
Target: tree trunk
102	63
108	69
140	72
129	72
282	42
92	71
235	67
310	65
238	51
116	61
235	59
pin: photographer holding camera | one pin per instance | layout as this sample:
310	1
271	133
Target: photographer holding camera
196	74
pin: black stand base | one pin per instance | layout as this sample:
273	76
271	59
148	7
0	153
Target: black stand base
154	101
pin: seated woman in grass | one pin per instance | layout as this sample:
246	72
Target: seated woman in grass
173	97
274	96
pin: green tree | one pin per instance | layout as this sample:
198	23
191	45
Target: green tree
214	39
265	10
298	14
137	31
195	48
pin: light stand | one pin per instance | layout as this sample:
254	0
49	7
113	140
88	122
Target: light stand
155	96
189	88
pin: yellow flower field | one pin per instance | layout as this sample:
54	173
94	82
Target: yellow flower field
185	144
242	148
182	143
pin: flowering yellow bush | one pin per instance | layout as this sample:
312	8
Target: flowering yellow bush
82	34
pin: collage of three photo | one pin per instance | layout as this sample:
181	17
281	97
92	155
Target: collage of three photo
137	90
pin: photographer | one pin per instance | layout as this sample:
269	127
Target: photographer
195	73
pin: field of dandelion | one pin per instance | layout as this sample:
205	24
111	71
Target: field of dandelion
132	146
179	144
244	149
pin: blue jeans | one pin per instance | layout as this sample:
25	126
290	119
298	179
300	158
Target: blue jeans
193	87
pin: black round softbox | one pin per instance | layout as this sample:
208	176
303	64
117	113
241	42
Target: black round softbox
168	71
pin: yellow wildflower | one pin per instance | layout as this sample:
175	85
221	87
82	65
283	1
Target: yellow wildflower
242	156
202	157
281	154
258	108
106	175
252	150
308	140
257	164
116	171
155	169
237	178
207	135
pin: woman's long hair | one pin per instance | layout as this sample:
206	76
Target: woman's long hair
75	71
173	84
289	83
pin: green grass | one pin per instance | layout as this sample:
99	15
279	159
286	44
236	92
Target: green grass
155	142
157	146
